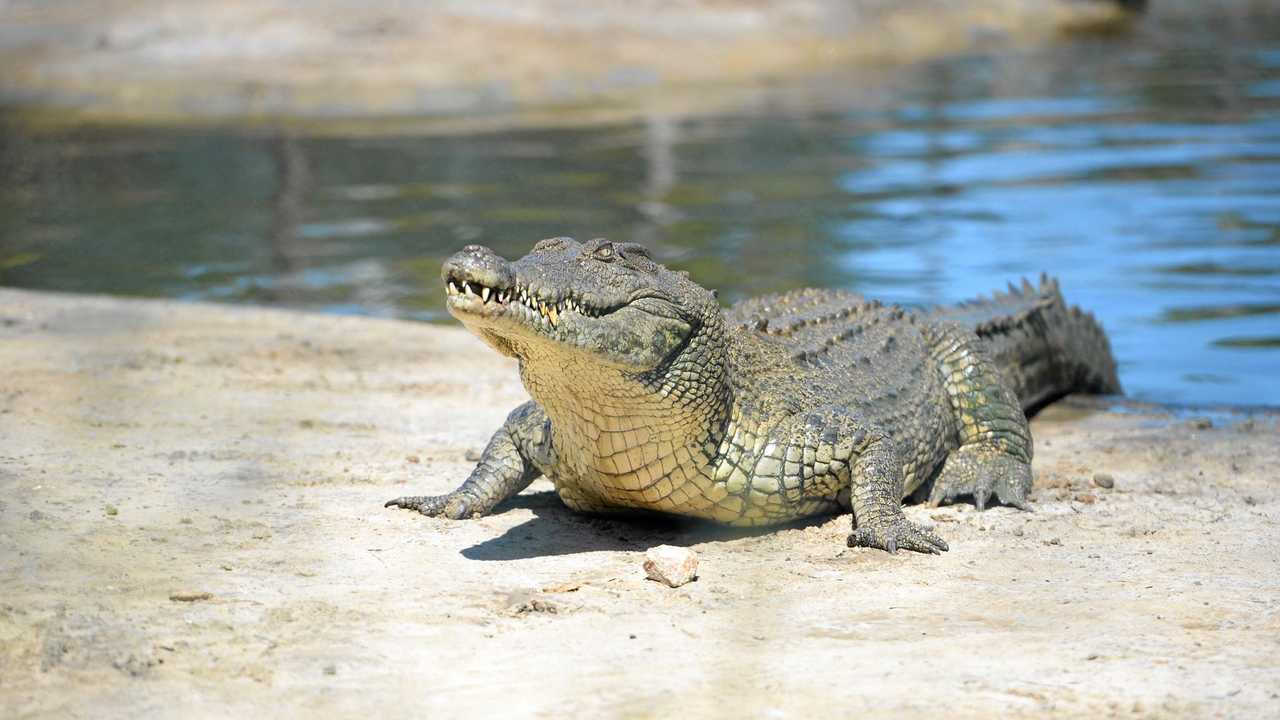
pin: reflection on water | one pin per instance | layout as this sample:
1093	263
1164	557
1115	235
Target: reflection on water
1146	175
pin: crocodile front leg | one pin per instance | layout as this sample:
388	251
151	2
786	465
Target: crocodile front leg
831	455
512	460
875	495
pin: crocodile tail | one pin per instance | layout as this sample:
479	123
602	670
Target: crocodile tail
1046	348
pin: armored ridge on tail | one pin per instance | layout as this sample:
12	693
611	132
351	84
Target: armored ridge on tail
1045	348
647	395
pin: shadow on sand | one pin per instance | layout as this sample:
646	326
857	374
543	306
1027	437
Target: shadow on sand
557	530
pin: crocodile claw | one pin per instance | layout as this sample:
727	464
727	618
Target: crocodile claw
901	533
455	506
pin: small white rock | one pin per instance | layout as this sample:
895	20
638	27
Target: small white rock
673	566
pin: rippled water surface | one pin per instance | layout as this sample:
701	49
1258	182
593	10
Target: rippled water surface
1145	173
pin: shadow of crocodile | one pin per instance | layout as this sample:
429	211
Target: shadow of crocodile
557	530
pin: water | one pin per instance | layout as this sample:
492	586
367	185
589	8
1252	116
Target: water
1144	173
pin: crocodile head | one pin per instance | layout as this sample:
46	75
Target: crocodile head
606	303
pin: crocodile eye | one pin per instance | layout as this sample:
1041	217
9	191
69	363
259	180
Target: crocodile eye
604	251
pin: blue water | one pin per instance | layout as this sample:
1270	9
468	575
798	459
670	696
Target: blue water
1144	174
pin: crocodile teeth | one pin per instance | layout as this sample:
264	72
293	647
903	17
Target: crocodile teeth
550	311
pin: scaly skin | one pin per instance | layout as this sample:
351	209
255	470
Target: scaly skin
647	395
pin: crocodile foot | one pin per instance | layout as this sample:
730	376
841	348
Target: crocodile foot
900	533
455	506
982	472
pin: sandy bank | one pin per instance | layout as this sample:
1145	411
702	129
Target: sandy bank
150	449
534	61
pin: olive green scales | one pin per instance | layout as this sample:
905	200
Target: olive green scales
646	394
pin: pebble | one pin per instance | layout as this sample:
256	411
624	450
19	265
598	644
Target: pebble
189	595
113	510
1086	498
472	455
1104	480
1019	532
670	565
1201	423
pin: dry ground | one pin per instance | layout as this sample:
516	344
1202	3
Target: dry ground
540	60
151	448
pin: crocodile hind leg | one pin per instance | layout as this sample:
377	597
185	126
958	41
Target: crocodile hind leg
994	455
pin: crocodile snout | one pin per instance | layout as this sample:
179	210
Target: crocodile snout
478	265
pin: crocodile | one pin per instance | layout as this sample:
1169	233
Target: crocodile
648	395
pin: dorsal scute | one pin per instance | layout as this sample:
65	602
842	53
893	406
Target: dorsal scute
790	313
1003	311
819	328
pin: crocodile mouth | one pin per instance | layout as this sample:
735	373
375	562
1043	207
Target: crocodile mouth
545	308
468	296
